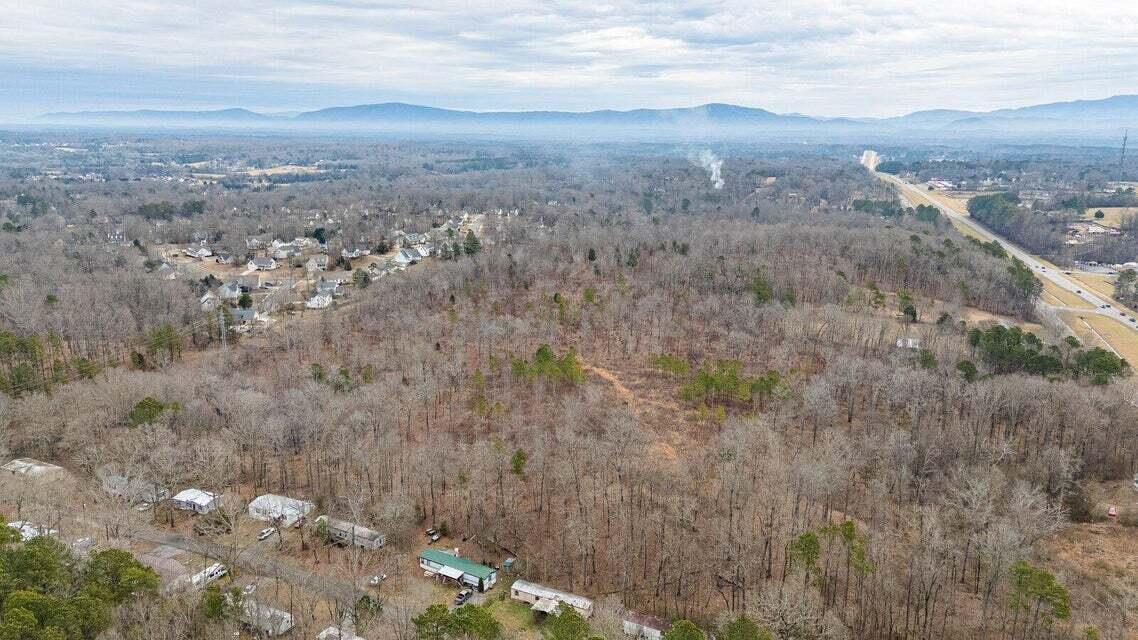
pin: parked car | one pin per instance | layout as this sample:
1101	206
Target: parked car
265	533
433	535
143	506
463	596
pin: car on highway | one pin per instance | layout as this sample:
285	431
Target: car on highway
463	596
265	533
1079	291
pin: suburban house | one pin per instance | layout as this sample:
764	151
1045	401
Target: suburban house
546	600
30	467
265	620
230	291
438	563
316	263
134	490
243	317
262	264
406	257
350	533
28	530
224	258
283	509
646	627
200	253
355	252
327	287
319	301
424	249
208	301
196	500
253	244
286	251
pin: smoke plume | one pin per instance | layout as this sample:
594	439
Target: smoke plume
713	165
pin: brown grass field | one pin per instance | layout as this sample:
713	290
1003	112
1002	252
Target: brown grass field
1112	216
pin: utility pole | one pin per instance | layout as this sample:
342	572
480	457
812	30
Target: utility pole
1122	156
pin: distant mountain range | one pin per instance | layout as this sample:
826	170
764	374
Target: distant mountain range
1087	118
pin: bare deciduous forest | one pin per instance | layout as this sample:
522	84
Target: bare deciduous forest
678	400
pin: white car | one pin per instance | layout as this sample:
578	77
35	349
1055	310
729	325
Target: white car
265	533
208	575
375	580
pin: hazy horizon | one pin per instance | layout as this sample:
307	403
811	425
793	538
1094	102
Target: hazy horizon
822	59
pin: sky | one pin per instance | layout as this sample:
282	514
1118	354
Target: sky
879	58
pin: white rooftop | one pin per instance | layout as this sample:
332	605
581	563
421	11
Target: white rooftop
196	496
30	467
555	595
336	633
28	530
272	506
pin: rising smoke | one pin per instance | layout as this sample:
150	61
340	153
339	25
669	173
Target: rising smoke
713	165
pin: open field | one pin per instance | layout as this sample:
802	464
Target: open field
1112	216
1059	296
1123	340
1101	284
283	169
1100	331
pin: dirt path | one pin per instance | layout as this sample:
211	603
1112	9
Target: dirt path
637	403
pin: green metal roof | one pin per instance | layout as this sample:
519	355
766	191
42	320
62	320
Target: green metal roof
462	564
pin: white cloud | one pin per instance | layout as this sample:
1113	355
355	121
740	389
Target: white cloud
827	58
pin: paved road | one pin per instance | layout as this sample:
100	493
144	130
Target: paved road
1044	270
252	560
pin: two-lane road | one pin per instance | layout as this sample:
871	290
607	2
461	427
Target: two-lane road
1042	269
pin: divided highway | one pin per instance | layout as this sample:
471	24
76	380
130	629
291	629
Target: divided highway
1049	272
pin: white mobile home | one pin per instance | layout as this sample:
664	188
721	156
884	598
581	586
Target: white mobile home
349	533
196	500
547	600
273	508
30	467
28	530
265	620
645	627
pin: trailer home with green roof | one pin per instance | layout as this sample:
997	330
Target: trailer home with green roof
439	563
